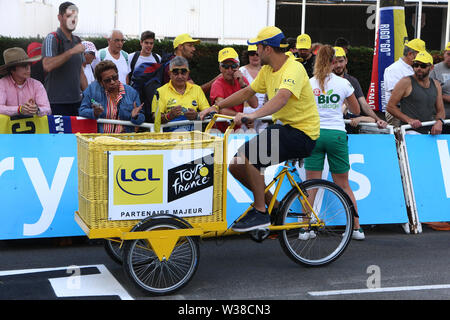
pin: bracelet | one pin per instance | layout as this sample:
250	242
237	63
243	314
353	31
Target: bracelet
216	107
166	117
442	120
19	109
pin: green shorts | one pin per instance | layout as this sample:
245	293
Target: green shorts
334	144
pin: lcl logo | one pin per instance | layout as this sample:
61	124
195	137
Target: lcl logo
136	175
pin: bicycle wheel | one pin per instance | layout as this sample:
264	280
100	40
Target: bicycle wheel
316	245
160	277
114	250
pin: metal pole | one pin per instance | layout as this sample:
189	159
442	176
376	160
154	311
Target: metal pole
303	16
419	20
447	29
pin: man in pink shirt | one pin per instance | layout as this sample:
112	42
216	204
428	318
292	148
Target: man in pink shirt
20	94
230	82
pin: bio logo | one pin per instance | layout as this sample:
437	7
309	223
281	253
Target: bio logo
138	179
329	97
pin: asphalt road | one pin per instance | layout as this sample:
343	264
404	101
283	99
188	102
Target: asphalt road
400	266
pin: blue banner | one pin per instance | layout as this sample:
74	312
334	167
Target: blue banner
39	183
429	159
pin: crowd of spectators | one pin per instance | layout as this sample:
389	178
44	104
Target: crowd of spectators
75	78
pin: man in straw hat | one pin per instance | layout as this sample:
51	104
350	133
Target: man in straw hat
419	97
20	94
294	112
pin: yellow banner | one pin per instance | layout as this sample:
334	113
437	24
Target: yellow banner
33	124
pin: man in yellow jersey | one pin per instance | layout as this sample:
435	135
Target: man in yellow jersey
294	112
178	99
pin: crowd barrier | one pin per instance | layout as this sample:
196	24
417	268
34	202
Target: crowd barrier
394	180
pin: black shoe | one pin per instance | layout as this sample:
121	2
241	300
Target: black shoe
254	219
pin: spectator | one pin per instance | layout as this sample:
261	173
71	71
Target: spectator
62	61
115	54
441	72
331	92
89	55
419	97
399	69
111	99
231	81
343	43
37	70
184	46
20	94
305	52
339	68
250	71
146	54
291	104
178	99
292	46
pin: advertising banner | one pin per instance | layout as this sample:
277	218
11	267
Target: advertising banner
145	183
389	41
39	183
429	159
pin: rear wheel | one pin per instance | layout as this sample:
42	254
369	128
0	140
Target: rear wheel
156	277
314	244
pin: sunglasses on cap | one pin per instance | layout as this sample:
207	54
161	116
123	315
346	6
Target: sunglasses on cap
421	65
111	79
228	66
253	53
177	71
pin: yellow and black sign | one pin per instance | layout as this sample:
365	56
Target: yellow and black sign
138	179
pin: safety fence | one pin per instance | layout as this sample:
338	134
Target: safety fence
397	178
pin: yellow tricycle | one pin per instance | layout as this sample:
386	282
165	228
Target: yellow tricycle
153	196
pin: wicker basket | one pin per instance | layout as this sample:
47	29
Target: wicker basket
93	170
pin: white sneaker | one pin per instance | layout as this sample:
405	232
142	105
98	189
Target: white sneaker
306	235
358	234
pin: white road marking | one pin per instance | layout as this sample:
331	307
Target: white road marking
378	290
76	285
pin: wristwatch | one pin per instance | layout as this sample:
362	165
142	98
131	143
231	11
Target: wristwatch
442	120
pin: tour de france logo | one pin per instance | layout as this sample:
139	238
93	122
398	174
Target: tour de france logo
190	178
138	179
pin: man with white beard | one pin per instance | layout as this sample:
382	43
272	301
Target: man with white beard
63	56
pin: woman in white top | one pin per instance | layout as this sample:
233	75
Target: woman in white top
250	71
331	92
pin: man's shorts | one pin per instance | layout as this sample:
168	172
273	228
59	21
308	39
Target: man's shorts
276	144
334	144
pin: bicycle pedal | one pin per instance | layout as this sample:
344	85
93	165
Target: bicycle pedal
259	235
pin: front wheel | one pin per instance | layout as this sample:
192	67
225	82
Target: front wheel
156	277
317	242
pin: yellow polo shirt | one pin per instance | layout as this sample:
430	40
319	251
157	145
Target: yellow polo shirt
193	98
300	111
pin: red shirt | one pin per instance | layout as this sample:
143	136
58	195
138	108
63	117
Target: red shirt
222	89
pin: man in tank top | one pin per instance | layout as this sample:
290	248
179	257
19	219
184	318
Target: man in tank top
420	97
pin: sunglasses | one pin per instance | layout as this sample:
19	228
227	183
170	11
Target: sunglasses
111	79
177	71
252	53
228	66
421	65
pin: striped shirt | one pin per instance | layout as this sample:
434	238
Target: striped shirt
112	111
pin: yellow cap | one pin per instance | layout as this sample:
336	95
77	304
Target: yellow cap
303	41
252	47
416	44
339	52
183	38
227	54
269	36
447	48
424	57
